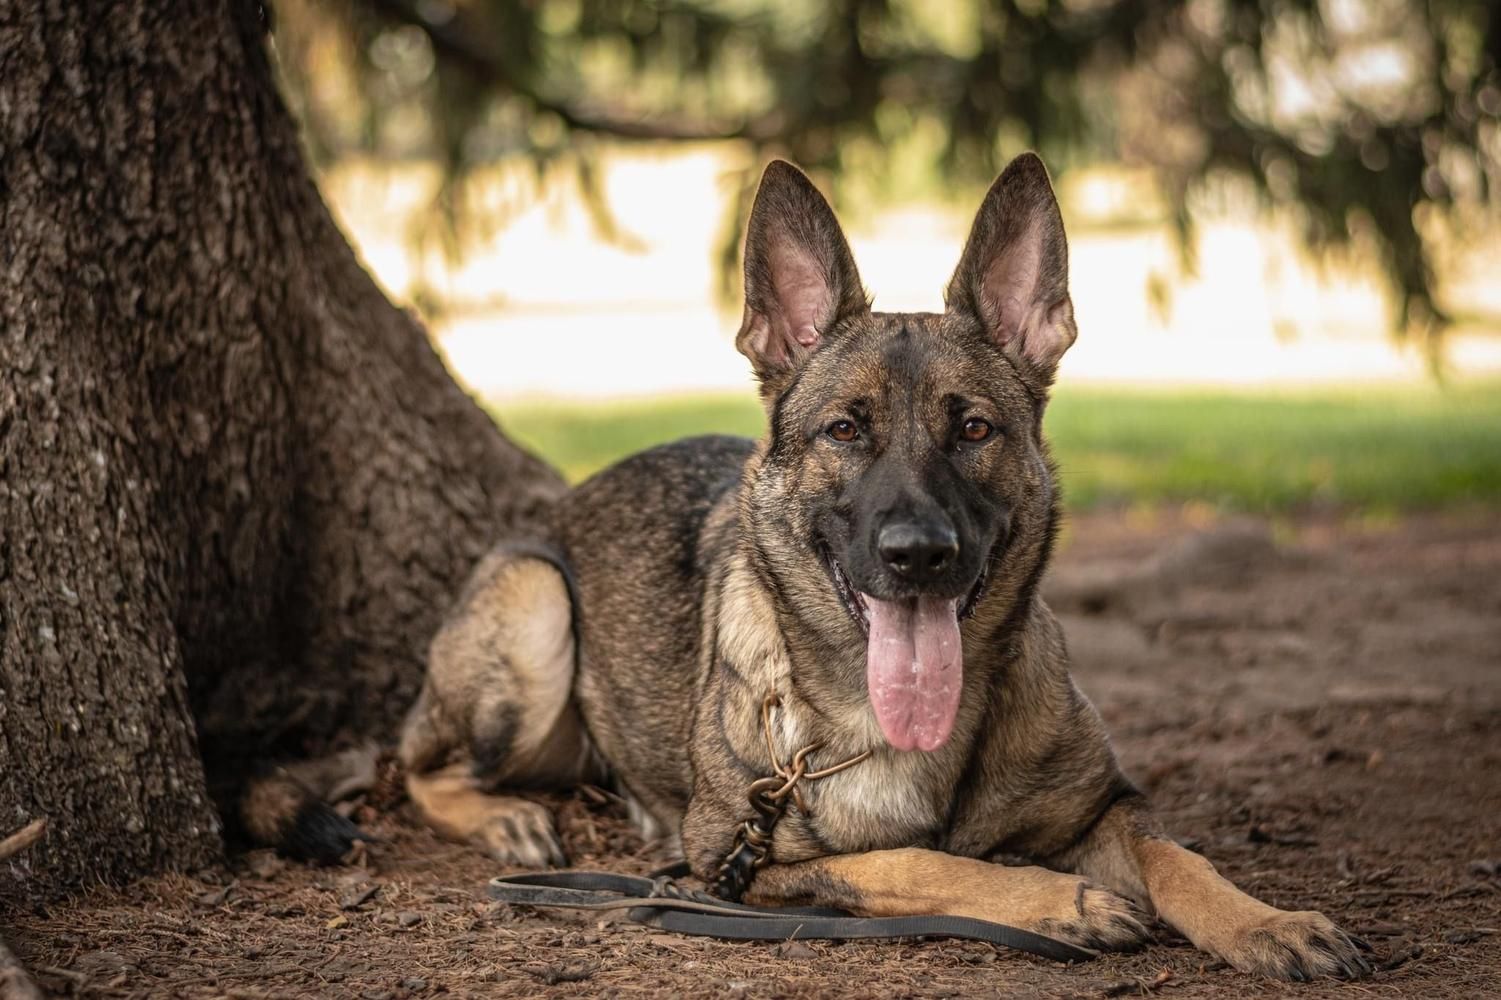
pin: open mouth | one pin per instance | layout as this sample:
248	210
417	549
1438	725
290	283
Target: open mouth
914	659
857	604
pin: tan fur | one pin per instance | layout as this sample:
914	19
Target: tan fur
511	829
1126	850
701	581
499	671
289	808
911	881
270	806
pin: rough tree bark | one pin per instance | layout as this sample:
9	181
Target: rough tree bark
237	487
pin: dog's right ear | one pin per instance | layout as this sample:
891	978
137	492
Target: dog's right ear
800	278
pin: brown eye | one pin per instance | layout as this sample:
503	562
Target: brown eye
976	429
843	431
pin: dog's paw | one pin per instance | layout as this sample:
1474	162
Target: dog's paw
1099	919
1299	946
524	835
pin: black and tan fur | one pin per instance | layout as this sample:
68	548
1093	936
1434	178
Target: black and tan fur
682	585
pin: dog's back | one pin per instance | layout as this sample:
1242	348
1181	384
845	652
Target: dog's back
634	537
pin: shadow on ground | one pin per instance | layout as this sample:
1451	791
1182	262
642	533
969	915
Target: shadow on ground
1316	708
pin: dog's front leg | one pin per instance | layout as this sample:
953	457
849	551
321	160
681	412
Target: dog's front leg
1127	851
916	882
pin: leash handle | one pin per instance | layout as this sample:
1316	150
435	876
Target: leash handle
662	903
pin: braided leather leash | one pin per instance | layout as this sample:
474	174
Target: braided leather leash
769	798
660	902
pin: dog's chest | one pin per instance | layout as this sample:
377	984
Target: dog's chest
880	803
890	799
887	800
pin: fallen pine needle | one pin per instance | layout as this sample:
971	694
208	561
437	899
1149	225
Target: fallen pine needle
1139	986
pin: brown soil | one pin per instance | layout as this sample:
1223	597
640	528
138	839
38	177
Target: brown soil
1317	706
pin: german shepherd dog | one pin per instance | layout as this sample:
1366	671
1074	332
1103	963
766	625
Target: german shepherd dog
866	575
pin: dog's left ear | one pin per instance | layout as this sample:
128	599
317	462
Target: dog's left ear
800	277
1013	274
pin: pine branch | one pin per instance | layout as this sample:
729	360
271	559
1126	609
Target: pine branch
467	49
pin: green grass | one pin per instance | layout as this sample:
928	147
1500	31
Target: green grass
1377	449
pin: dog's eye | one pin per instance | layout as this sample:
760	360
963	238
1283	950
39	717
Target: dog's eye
975	429
843	431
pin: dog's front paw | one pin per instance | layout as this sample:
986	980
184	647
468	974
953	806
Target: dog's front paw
523	834
1099	919
1298	945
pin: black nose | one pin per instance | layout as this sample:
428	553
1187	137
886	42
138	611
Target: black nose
918	551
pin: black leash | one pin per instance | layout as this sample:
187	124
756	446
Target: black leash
661	902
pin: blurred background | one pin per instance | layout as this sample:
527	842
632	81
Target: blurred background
1282	219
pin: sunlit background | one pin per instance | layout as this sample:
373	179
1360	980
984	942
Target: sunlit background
1283	238
546	306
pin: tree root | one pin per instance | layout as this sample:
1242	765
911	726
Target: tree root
23	838
15	984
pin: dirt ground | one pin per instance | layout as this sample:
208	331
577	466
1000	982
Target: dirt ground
1316	705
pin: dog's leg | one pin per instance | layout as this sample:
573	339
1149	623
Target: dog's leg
495	712
916	882
1127	852
513	830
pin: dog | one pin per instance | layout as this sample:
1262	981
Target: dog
859	587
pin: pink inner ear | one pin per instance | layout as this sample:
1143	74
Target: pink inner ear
1010	286
802	295
1013	306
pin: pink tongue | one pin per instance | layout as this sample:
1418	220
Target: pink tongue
914	668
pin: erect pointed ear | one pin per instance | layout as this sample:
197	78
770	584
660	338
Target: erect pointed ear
1013	274
800	278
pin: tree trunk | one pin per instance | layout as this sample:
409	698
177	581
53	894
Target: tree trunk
237	487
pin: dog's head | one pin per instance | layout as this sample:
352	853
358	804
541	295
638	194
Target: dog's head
905	448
